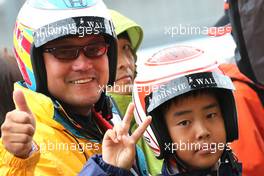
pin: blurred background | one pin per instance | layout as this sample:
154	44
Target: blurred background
165	22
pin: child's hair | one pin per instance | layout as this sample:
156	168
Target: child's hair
192	94
124	35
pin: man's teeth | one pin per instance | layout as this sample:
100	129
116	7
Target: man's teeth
83	81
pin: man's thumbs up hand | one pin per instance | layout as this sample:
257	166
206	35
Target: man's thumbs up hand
19	127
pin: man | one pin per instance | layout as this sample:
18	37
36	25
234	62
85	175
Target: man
129	35
67	53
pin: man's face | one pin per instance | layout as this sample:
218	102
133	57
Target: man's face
125	67
196	125
76	82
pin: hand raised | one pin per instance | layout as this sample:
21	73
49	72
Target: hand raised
18	128
118	146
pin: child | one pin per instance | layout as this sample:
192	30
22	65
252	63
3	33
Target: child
193	117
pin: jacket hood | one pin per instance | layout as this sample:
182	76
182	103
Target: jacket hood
124	24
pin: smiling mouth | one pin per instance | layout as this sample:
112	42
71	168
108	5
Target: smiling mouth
123	77
82	81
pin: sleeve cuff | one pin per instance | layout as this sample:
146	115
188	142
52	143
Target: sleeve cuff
110	169
97	166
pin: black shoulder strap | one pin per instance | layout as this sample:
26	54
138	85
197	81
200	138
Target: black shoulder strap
229	165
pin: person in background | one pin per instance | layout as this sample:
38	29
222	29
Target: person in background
9	74
224	20
130	36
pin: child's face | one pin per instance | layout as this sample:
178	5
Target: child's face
195	123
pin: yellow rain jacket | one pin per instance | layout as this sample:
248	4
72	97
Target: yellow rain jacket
59	152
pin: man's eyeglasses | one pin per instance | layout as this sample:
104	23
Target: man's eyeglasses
70	53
